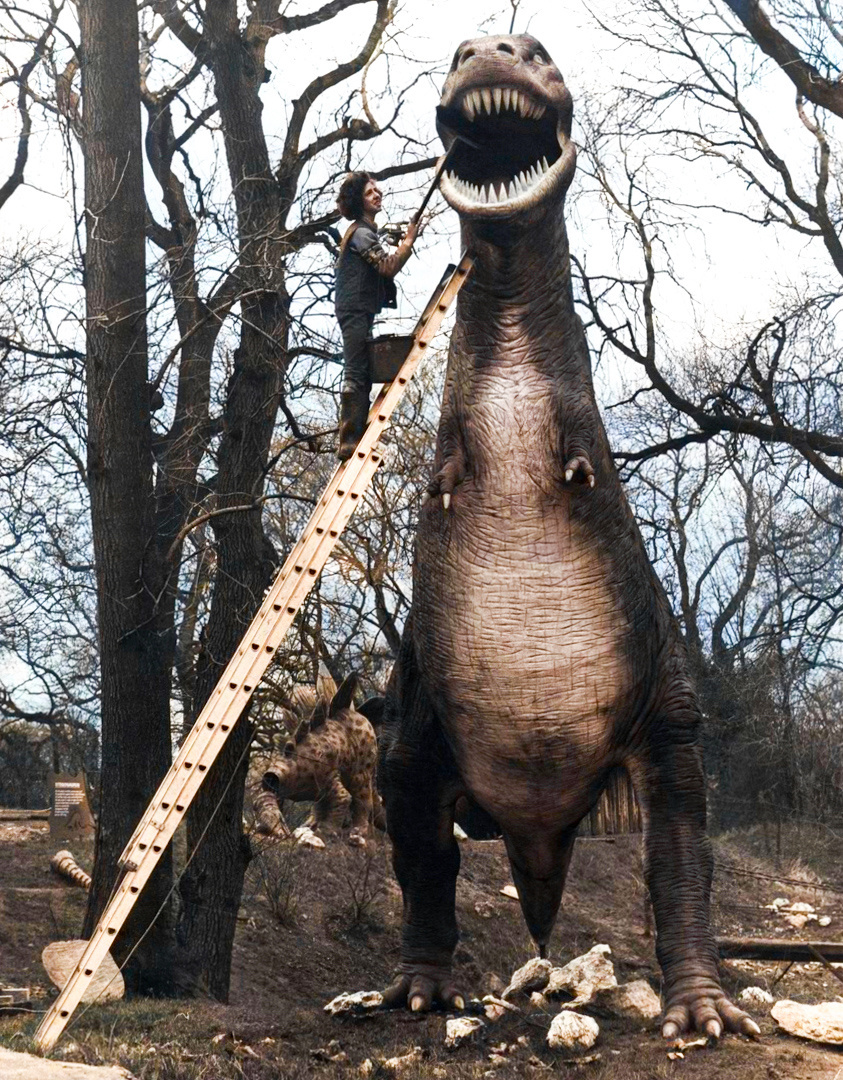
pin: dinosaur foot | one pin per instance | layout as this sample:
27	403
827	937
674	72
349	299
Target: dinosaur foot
709	1012
423	988
578	470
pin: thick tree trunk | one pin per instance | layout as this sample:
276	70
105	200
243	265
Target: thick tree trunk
212	887
136	748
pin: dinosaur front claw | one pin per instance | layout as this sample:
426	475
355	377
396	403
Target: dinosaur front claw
445	481
422	991
578	470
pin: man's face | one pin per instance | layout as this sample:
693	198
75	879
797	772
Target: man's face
372	198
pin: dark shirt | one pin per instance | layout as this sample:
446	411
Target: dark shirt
359	285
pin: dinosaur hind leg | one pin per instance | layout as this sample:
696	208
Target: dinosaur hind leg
417	775
539	867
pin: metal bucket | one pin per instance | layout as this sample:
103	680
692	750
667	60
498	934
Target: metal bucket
387	353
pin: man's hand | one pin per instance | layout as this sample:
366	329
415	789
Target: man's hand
411	234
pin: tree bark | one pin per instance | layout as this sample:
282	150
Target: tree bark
212	886
135	677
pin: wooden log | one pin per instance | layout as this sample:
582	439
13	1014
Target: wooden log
24	815
63	864
796	952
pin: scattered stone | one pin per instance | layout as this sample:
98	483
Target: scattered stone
570	1031
582	1059
366	1068
306	837
636	1000
495	1007
332	1052
796	921
537	1063
583	977
824	920
60	959
493	984
362	1001
780	902
756	995
820	1023
531	976
523	1042
801	908
397	1065
459	832
486	910
15	1066
538	1001
461	1029
510	891
496	1060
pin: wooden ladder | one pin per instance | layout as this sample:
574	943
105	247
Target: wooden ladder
246	667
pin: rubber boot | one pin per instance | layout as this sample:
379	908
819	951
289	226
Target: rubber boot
354	411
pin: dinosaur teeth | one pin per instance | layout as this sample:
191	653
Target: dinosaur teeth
506	96
497	96
486	95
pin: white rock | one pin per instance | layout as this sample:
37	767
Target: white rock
801	908
60	959
460	1029
820	1023
307	837
17	1066
570	1031
756	995
459	832
530	976
363	999
397	1065
637	1000
824	920
584	976
537	1000
510	891
796	921
780	901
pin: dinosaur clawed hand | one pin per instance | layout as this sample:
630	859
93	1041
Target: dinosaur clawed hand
578	470
444	482
421	991
709	1012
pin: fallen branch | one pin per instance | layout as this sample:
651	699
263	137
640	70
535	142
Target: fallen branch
797	952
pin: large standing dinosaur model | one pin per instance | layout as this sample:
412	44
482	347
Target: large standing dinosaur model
541	652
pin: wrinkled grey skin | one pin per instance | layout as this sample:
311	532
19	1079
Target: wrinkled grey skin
541	652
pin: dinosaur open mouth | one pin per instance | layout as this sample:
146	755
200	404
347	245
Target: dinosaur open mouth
511	152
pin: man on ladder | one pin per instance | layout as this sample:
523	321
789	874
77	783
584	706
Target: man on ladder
364	287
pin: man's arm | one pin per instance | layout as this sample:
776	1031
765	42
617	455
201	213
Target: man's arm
369	248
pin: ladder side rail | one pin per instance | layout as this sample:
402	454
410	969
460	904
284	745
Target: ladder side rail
323	518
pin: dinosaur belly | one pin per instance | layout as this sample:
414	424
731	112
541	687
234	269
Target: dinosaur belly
525	653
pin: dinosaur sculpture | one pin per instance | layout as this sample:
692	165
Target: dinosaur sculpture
541	652
329	760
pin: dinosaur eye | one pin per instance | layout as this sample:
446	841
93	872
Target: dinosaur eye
540	58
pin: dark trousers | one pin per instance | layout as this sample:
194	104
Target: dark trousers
356	327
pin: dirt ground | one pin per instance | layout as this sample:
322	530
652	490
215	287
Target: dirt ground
317	922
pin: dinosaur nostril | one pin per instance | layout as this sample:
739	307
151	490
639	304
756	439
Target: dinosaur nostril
467	55
503	47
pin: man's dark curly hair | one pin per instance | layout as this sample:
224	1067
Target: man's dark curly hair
350	198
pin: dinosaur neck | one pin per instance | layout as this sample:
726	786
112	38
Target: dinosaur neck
520	294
